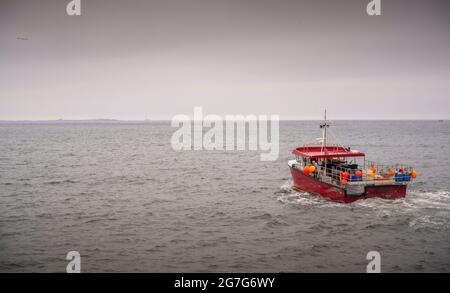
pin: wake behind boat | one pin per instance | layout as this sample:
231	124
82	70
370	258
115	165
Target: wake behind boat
342	174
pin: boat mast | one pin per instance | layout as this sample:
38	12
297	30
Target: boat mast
324	126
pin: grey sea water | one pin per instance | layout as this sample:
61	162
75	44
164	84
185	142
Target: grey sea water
119	194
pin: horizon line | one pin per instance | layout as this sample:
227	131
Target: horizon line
112	120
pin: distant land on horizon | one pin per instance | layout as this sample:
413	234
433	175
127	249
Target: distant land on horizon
118	121
100	120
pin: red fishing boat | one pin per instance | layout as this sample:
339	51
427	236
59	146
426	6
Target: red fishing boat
343	174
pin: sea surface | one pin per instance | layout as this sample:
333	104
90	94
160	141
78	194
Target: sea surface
127	202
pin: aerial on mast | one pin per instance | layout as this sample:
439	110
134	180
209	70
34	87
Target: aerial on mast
324	126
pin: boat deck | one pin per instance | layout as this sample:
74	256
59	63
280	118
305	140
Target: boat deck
365	180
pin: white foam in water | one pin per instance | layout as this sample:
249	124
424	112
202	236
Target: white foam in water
292	196
436	199
428	221
414	205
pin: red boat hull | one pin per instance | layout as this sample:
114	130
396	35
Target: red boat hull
310	184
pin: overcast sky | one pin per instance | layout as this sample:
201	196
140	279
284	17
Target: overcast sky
154	59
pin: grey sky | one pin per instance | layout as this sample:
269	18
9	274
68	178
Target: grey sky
154	59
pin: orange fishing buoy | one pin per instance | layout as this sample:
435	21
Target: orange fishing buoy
391	172
358	173
306	170
414	174
345	175
343	181
312	169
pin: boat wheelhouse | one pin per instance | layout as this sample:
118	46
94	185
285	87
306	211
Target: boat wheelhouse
343	174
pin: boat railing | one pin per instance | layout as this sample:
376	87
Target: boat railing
369	172
314	144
